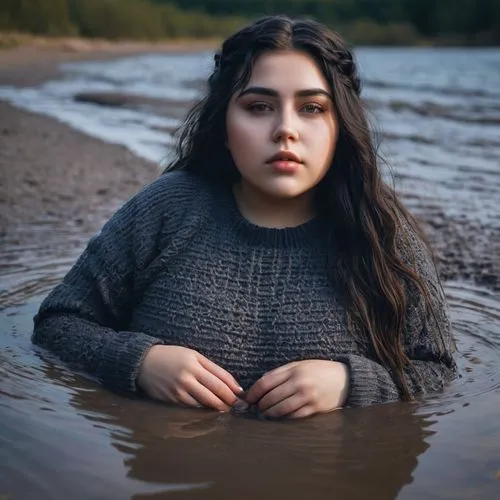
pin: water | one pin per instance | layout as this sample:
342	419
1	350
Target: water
62	436
168	76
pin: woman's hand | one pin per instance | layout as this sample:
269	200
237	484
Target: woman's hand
180	375
301	389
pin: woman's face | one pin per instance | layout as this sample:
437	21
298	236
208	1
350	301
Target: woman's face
282	128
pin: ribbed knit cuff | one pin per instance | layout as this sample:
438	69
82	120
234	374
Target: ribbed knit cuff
122	360
369	382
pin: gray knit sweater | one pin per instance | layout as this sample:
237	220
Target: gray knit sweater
179	265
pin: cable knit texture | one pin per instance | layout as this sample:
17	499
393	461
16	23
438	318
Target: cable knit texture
179	265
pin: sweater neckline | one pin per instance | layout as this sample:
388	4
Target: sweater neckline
304	234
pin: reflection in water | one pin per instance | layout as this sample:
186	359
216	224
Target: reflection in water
63	436
338	452
92	437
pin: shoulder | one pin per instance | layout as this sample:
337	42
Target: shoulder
162	216
428	307
172	201
173	196
172	188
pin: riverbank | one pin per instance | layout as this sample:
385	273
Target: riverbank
54	175
51	170
27	60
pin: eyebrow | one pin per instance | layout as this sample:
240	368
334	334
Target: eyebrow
274	93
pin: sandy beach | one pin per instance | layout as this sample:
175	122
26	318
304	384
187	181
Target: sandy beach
36	59
50	170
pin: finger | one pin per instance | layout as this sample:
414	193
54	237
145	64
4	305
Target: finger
276	395
305	411
186	399
205	397
286	406
283	368
265	384
216	386
221	374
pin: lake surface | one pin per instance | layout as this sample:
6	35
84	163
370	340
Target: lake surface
62	436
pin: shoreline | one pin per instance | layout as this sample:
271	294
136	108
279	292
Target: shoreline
53	174
59	186
60	172
33	64
13	39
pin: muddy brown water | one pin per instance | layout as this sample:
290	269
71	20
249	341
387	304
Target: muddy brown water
62	436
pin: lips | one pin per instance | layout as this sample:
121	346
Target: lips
284	156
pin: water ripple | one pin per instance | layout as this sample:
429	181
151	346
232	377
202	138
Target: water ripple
63	430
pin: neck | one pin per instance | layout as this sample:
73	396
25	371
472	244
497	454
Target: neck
266	211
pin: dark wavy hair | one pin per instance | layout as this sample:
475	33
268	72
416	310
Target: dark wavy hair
364	213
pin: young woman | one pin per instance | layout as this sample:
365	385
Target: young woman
270	262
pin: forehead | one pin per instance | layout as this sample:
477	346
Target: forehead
287	70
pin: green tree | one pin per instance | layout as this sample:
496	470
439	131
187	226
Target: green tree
50	17
388	21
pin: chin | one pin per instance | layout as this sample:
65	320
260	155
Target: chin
286	188
284	193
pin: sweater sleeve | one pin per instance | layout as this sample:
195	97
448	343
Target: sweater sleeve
84	319
427	341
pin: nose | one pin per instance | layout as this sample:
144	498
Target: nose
286	129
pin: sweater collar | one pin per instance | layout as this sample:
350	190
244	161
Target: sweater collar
306	234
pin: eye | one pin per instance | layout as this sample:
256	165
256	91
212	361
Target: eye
259	107
313	108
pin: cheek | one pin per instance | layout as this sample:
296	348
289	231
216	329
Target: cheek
243	135
323	130
236	143
322	139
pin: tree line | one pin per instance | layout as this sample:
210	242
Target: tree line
453	21
112	19
361	21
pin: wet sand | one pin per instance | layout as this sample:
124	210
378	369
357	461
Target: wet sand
37	61
50	171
